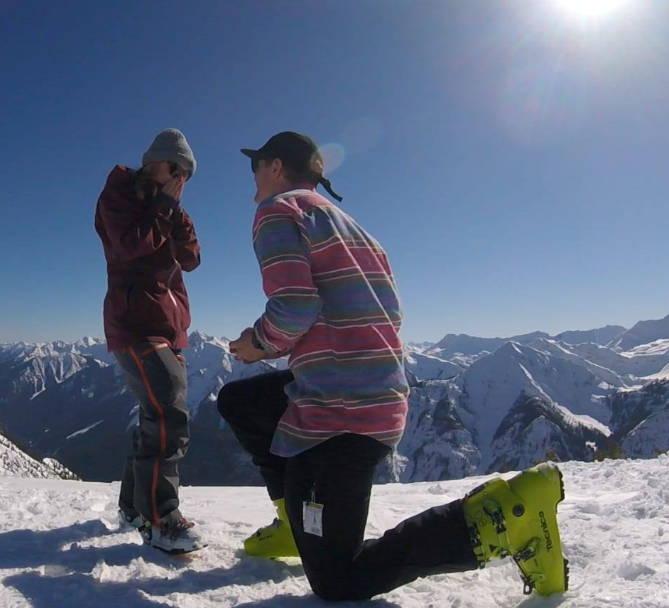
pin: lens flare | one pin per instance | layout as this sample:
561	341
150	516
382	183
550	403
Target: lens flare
333	157
591	8
542	103
361	135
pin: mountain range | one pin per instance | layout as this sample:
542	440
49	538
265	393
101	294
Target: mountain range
477	405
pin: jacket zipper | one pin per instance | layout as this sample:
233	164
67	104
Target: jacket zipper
169	282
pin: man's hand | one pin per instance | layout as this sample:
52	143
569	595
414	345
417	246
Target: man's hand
244	350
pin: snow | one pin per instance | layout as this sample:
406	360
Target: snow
82	431
16	463
643	440
427	366
61	546
590	356
585	421
663	374
617	369
657	347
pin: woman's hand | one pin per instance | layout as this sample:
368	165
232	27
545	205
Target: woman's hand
174	188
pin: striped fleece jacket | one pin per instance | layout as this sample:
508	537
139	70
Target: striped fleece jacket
333	306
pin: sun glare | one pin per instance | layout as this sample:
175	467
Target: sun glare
591	7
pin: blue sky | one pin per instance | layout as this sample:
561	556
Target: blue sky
511	156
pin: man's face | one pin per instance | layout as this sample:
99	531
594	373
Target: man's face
267	176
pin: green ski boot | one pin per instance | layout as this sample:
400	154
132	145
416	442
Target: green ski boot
275	540
519	518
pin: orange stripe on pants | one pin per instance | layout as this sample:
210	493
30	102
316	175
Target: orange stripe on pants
163	433
154	348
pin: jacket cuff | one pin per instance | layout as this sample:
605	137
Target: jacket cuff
256	343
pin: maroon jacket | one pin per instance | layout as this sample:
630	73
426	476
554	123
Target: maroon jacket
147	244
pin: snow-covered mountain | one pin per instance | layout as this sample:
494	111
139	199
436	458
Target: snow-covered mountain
611	366
462	344
601	335
508	409
640	419
522	403
14	462
536	430
472	413
34	368
436	443
419	365
642	333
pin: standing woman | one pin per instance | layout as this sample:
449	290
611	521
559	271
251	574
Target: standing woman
148	241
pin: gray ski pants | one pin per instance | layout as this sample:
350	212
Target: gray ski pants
150	484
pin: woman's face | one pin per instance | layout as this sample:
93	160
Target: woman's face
163	172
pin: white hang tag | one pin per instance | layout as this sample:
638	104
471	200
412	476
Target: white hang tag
312	515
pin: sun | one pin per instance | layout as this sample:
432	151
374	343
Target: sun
591	7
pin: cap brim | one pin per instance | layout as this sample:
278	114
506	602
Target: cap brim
249	153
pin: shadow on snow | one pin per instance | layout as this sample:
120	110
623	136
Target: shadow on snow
63	572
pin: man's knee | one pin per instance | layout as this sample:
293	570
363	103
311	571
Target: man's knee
334	589
329	590
249	398
334	578
229	400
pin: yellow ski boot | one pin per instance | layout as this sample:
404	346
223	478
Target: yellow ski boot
519	518
275	540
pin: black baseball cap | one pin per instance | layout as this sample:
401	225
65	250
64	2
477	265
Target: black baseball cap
296	151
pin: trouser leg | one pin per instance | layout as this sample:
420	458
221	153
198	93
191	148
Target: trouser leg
435	541
339	565
253	407
127	495
157	375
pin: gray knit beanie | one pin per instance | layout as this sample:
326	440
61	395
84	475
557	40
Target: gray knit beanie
170	145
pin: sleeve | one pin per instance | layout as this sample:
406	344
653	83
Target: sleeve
186	247
397	314
293	303
134	234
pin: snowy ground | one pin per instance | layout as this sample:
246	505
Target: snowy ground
60	547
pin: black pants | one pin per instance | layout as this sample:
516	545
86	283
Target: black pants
150	484
340	565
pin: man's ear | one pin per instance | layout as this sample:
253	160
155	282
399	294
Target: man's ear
277	167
